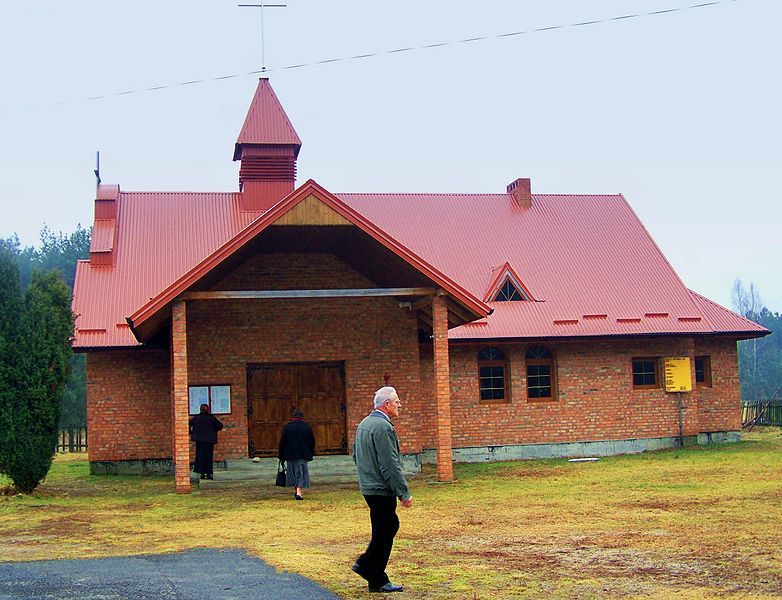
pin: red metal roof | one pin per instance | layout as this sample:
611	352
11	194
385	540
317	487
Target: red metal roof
189	277
588	261
102	239
162	235
266	121
724	320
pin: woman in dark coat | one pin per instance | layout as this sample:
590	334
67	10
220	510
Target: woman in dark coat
297	447
203	431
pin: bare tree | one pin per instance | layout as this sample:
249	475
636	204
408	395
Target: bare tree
747	302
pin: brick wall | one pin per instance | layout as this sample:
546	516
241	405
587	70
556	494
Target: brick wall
129	398
719	406
128	404
595	399
372	336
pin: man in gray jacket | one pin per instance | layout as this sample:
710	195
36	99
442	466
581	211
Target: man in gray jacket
376	454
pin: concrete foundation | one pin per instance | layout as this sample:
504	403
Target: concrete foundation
579	449
411	463
149	466
719	437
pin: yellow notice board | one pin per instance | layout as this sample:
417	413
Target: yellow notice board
678	377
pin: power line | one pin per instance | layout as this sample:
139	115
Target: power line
469	40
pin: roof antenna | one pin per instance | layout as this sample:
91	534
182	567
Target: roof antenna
97	170
262	6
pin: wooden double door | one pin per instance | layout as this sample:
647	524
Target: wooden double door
317	389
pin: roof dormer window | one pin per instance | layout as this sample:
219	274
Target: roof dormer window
506	286
508	292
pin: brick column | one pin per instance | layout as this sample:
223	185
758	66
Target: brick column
180	438
442	389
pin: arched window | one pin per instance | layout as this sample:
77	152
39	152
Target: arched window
492	373
541	372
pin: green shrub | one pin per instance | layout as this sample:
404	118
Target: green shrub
36	367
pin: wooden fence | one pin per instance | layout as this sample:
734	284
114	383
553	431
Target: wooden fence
772	413
72	439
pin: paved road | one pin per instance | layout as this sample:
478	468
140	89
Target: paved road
198	574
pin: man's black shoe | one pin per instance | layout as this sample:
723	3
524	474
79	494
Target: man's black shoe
356	568
389	587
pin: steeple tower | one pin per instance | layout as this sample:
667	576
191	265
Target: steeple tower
267	148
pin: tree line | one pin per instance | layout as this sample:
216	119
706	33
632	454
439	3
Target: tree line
760	359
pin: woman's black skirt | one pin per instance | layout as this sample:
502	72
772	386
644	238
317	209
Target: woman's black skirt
204	458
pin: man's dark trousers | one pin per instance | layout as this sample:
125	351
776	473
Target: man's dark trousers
385	524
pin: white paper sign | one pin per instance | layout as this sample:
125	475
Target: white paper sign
221	399
197	396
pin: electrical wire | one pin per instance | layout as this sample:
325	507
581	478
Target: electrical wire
393	51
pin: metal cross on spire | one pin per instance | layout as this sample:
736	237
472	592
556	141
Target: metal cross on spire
262	6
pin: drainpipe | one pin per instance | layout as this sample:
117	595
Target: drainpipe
679	403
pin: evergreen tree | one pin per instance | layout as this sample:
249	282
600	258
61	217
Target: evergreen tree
42	365
760	360
74	398
58	251
25	258
10	309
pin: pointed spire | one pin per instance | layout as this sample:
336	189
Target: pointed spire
267	146
266	123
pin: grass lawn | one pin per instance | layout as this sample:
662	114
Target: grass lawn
688	523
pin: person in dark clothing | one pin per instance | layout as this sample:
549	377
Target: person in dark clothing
203	431
379	465
297	447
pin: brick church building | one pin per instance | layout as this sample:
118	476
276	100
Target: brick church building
512	324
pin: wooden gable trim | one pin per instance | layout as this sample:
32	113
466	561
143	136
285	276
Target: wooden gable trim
312	211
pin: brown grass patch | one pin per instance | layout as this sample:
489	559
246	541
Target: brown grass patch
693	523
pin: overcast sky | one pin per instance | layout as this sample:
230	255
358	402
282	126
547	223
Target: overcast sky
680	111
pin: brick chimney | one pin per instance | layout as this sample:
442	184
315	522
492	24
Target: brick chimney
104	230
521	190
267	148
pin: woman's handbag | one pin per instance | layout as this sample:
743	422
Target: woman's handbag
280	481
